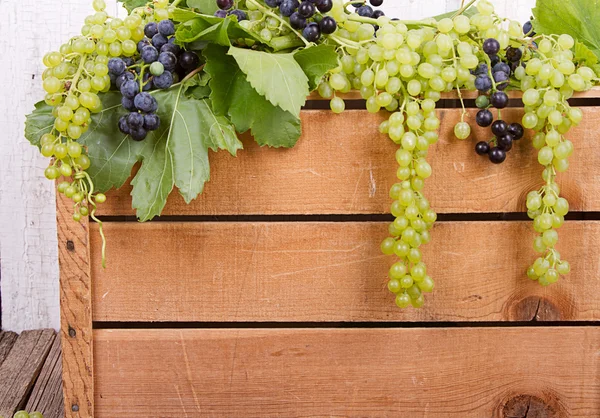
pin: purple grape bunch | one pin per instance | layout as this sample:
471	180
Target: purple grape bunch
491	80
161	63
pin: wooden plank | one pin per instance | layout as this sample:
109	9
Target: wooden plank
7	340
342	167
47	394
76	311
454	372
21	368
334	272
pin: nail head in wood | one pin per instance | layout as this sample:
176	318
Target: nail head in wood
70	245
72	332
75	408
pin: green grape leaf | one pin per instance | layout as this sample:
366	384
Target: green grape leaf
578	18
111	153
470	12
133	4
197	27
584	55
278	77
208	7
177	153
232	95
38	123
316	61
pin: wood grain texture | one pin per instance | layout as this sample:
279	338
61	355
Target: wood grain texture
433	373
47	393
76	311
21	368
341	167
334	272
7	340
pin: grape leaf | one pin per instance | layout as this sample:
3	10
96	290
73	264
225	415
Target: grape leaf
316	61
199	27
578	18
232	94
278	77
38	123
133	4
208	7
470	12
177	154
584	55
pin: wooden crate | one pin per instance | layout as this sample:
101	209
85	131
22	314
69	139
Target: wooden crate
267	296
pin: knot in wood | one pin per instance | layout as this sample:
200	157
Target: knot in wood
536	308
528	406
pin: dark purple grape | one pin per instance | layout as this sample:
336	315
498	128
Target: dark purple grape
159	40
497	156
126	76
312	33
135	120
287	7
168	60
378	14
494	59
514	54
501	79
324	6
328	25
273	3
516	130
365	11
146	103
306	9
482	148
224	4
127	104
505	142
141	44
483	83
376	3
491	46
501	66
528	29
151	122
175	49
240	14
116	66
499	127
163	81
138	134
484	118
189	60
130	88
219	13
499	100
166	27
151	29
123	126
481	69
147	84
128	61
297	21
149	54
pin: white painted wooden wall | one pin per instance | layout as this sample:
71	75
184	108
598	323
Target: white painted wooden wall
28	246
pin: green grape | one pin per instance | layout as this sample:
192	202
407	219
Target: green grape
462	130
100	198
83	161
403	300
337	105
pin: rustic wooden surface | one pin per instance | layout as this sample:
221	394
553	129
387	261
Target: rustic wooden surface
7	340
323	271
443	372
76	311
21	367
47	394
350	170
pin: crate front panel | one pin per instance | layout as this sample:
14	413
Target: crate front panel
343	165
333	271
459	372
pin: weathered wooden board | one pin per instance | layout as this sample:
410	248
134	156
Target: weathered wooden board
76	311
7	340
21	367
343	167
333	272
434	373
47	393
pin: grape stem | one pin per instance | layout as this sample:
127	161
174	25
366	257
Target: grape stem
463	8
265	11
193	73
